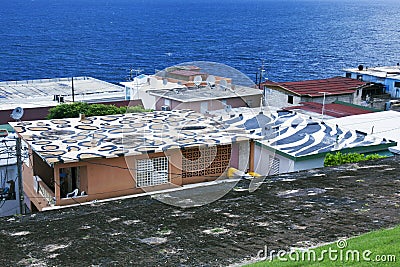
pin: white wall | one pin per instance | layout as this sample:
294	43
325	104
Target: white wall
262	162
9	207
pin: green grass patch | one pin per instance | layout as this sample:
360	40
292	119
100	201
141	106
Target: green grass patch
377	248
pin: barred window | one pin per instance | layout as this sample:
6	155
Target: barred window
273	165
152	171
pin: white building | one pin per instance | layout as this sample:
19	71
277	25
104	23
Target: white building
385	124
291	142
8	176
389	76
142	86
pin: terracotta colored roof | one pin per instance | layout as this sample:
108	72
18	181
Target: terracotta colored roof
186	72
316	88
336	110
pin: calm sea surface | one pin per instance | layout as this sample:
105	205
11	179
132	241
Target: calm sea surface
298	39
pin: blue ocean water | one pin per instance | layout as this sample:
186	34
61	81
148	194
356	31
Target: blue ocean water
298	39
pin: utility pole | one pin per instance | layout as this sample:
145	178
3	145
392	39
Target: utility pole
73	90
18	149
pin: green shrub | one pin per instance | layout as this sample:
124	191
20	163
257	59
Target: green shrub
338	158
72	110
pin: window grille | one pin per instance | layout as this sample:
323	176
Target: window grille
273	165
205	161
152	171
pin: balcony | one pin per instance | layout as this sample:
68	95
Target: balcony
41	188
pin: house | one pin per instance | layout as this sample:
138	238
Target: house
336	109
85	159
9	184
139	89
283	94
385	124
292	142
389	76
36	97
204	99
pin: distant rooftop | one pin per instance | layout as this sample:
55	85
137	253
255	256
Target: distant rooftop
317	88
380	71
72	140
336	109
205	93
30	93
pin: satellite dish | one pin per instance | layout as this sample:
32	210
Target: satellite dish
164	82
17	113
228	108
153	82
197	80
223	84
211	80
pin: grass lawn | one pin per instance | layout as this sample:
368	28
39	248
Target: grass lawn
371	249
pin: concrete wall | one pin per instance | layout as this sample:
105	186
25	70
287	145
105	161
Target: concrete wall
209	105
279	99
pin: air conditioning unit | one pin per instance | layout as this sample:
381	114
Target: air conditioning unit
165	108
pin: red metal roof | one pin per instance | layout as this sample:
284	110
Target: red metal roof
334	109
316	88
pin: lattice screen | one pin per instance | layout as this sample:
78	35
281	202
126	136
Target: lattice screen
205	161
152	171
273	165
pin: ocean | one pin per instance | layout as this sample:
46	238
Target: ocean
296	39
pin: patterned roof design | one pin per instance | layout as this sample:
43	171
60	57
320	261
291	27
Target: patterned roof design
71	140
298	136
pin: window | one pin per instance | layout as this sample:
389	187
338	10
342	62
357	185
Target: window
348	75
74	178
396	84
290	99
152	171
167	102
205	161
273	165
359	77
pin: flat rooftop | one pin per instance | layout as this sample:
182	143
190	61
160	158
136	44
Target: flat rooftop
33	93
206	93
380	71
72	140
384	124
301	210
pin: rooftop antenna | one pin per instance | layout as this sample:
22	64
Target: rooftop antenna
210	81
223	84
197	80
17	113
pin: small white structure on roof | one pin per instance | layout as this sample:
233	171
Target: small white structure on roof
142	85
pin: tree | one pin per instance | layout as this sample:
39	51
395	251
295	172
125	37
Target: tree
72	110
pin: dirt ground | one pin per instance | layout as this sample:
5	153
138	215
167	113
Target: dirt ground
292	210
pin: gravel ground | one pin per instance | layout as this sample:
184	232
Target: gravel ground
292	210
